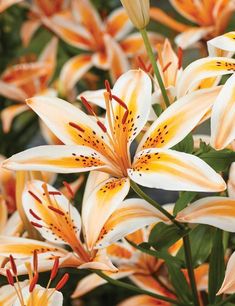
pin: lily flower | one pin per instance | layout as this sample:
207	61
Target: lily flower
105	219
214	211
38	10
228	285
24	80
91	145
28	292
210	18
223	45
5	4
139	267
106	40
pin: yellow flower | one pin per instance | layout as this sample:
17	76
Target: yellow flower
138	12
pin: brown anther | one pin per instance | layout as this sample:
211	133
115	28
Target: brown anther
34	215
166	67
142	65
180	57
35	261
34	196
77	127
68	187
87	106
120	102
54	193
33	282
55	268
10	278
56	210
36	224
101	125
108	88
13	265
62	282
125	117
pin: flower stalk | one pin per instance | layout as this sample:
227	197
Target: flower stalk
154	65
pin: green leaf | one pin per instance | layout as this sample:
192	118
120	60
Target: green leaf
179	282
202	238
157	109
218	160
186	145
185	198
217	267
163	236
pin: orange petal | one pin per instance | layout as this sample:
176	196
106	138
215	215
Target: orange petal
118	24
28	29
9	113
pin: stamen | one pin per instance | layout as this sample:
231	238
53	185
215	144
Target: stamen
35	261
13	265
180	57
119	101
166	67
34	215
33	282
125	116
87	106
77	127
101	125
34	196
108	88
56	210
44	187
36	224
10	278
55	268
62	282
68	187
54	193
143	66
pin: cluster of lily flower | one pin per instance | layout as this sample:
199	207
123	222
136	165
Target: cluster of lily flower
153	107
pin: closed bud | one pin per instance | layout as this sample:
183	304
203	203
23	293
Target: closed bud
138	12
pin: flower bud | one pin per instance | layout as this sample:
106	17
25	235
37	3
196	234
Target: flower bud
138	12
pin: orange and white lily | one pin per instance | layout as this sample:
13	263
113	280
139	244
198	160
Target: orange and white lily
5	4
28	292
215	211
90	145
105	219
38	10
106	40
140	267
24	80
228	285
7	188
210	17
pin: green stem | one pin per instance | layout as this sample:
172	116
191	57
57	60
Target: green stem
154	64
144	196
189	263
225	301
133	288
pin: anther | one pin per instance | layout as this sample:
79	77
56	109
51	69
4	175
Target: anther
77	127
62	282
10	278
87	106
34	196
33	282
36	224
56	210
55	268
166	67
13	265
34	215
68	187
101	125
108	88
120	102
54	193
180	57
